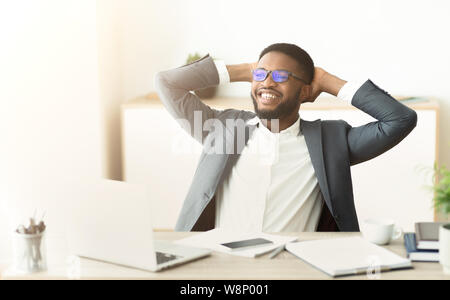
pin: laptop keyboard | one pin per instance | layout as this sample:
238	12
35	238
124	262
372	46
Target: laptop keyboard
165	257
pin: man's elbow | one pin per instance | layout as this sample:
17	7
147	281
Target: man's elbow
412	120
159	81
162	88
408	123
404	125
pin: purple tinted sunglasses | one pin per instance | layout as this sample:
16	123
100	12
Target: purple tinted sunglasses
278	76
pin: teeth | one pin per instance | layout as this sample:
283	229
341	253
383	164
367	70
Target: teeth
268	96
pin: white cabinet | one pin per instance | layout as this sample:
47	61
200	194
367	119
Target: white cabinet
158	153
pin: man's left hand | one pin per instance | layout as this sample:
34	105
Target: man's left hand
316	84
324	82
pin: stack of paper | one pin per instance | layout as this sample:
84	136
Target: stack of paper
214	238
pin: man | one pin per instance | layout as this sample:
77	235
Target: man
288	174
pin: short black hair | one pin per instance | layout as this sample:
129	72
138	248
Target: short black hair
301	56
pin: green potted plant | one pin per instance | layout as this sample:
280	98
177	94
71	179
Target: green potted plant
442	204
205	93
442	190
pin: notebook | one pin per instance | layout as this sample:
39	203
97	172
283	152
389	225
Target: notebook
347	256
418	255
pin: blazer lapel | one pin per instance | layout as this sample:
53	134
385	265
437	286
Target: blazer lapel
313	137
223	163
238	146
231	159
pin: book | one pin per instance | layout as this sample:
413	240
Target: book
427	235
415	254
347	256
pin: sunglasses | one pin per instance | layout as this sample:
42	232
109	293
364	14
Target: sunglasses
277	75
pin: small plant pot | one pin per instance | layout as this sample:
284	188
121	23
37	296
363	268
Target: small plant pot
444	247
206	93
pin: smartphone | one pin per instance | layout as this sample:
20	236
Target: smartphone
246	244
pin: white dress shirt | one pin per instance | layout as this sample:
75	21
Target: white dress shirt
273	186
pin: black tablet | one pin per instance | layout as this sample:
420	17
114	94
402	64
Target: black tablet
251	243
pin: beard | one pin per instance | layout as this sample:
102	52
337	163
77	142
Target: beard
282	110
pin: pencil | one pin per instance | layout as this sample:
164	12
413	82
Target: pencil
276	252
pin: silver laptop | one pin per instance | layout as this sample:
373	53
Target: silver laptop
111	221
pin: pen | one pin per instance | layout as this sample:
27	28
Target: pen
276	252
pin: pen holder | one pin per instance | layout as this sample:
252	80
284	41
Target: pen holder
29	253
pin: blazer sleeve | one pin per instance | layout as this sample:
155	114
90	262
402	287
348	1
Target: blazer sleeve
395	122
174	89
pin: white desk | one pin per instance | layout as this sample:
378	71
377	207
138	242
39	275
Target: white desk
218	266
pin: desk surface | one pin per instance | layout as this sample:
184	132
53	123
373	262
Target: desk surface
223	266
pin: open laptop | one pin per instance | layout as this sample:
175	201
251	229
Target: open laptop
111	221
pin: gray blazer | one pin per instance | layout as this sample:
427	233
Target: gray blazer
333	145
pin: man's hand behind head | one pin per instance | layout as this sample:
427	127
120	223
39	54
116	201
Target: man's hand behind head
317	84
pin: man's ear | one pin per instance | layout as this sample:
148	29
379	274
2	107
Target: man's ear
305	93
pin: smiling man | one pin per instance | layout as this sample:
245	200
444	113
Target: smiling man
289	174
280	98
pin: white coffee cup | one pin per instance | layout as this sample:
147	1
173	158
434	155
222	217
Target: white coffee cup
444	247
380	231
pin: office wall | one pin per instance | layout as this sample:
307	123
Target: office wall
50	110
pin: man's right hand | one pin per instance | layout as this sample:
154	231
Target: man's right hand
241	72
